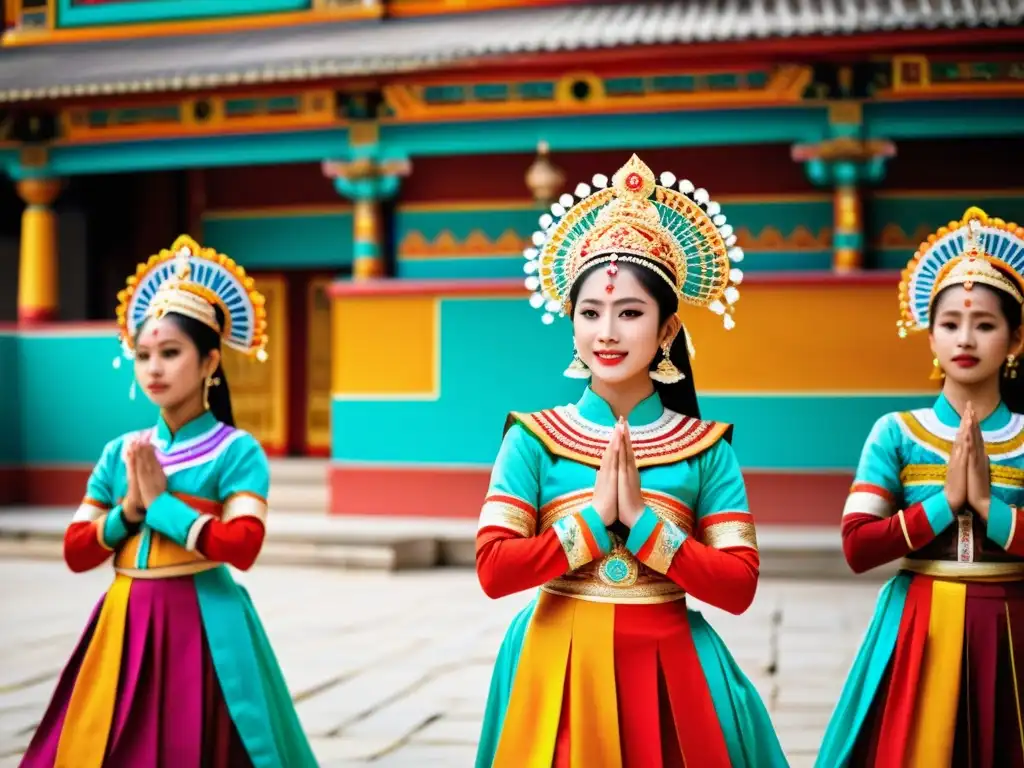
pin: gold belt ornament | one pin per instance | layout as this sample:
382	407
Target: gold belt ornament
950	569
618	577
169	571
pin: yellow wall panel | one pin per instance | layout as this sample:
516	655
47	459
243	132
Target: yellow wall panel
838	337
385	346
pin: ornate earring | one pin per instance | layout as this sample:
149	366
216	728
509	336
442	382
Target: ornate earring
1010	371
937	373
576	369
666	372
210	382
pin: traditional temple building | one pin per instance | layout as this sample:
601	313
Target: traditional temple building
379	166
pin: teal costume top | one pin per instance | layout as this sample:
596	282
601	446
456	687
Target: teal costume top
214	472
690	481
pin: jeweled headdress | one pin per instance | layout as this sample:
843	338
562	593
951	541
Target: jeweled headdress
674	229
966	252
191	280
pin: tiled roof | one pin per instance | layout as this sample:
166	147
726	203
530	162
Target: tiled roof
340	49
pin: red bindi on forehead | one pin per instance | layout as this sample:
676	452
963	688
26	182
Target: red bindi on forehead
967	303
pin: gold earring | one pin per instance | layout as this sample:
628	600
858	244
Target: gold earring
576	369
666	372
937	374
210	382
1010	371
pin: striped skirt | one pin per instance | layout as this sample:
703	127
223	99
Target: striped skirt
937	681
155	682
581	684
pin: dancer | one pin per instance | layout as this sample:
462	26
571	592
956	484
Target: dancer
937	681
619	506
174	668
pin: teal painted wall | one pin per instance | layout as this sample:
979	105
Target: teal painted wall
522	371
282	240
910	218
71	400
74	13
10	387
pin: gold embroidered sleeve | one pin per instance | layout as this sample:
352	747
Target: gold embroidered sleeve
668	539
244	505
729	530
510	513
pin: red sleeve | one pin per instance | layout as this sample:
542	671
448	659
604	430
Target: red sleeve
82	548
507	563
870	541
724	578
236	542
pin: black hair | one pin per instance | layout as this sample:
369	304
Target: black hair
206	340
1011	390
681	396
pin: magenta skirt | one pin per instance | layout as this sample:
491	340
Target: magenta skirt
169	711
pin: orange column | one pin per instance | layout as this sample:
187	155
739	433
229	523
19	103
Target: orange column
37	270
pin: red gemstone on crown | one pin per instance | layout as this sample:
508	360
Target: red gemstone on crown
612	270
634	182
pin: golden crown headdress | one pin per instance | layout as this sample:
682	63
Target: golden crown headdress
966	252
676	230
190	280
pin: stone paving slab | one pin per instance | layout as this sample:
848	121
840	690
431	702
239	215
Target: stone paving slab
392	669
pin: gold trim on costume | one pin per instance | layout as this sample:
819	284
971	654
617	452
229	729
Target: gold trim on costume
244	505
169	571
921	433
563	506
665	505
617	577
668	542
570	534
935	474
949	569
598	593
733	533
672	439
503	514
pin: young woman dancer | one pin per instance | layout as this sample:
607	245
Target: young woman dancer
619	506
938	678
174	668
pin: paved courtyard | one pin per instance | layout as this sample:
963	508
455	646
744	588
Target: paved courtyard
391	670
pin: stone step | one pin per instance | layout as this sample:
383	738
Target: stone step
298	471
299	498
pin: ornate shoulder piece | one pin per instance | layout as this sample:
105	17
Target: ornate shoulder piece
978	249
670	439
924	428
190	280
